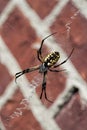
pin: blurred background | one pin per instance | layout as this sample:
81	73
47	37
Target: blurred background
23	25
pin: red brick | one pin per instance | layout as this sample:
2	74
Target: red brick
5	78
72	116
19	36
43	7
25	121
3	4
77	36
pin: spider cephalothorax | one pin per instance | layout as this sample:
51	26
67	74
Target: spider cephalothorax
47	64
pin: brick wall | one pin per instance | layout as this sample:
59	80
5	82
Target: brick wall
23	24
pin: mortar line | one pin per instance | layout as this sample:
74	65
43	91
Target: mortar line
5	13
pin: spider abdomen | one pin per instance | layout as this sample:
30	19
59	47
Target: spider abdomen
51	59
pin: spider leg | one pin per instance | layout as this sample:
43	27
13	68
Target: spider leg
43	84
65	60
26	71
41	93
39	52
44	88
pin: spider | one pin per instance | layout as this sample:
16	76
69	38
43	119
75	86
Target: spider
47	64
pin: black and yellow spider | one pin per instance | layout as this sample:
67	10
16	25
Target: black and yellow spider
47	64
